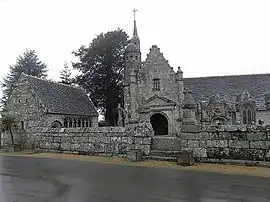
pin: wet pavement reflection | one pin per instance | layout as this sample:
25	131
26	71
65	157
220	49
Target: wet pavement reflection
45	180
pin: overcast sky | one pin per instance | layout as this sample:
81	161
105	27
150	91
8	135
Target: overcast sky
205	38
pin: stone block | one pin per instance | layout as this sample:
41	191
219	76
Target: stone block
238	144
190	128
65	146
184	143
217	143
202	144
260	144
218	153
134	155
230	127
138	140
256	136
128	140
239	135
185	158
200	152
193	143
146	140
166	143
55	146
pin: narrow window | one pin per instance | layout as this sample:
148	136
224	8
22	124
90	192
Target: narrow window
244	117
90	123
79	122
156	84
249	116
22	125
19	101
65	123
83	122
70	123
86	123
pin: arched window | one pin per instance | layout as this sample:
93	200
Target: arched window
248	115
56	124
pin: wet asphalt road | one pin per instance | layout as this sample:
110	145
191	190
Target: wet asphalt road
51	180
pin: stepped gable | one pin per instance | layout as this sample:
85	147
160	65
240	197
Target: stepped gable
230	87
155	57
60	98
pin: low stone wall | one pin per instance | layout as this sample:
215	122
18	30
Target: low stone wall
109	141
229	142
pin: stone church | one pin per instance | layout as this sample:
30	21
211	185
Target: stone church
155	93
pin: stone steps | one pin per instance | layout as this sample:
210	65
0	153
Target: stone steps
159	158
162	153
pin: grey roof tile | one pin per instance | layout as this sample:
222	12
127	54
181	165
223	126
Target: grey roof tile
62	99
230	87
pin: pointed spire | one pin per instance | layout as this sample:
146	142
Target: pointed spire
135	32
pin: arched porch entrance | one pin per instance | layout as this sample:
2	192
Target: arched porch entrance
159	123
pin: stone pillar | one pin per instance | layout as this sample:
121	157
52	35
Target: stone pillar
190	123
95	122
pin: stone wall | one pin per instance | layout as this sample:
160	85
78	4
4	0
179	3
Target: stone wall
108	141
229	142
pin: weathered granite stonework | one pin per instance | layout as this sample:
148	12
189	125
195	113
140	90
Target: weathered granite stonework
112	141
229	142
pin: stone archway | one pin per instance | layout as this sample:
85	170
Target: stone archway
159	123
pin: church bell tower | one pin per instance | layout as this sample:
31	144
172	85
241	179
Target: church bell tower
131	69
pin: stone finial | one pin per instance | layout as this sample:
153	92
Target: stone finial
189	101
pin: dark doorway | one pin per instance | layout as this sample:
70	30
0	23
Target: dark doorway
159	123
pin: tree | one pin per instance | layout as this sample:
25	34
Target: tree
65	75
101	66
7	124
27	63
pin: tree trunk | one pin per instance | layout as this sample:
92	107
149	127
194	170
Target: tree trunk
11	135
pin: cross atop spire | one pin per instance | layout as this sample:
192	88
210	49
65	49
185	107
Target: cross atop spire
134	11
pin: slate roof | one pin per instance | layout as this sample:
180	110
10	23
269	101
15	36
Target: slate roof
230	87
62	99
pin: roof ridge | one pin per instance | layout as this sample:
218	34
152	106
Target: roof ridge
50	81
233	75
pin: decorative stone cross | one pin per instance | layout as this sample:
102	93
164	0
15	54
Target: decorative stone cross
134	11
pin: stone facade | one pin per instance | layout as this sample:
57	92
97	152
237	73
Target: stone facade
154	92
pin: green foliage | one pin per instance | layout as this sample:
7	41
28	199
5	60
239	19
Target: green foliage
27	63
101	66
7	124
65	75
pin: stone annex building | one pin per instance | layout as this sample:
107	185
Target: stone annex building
154	92
40	103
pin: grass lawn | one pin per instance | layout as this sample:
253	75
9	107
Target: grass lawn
206	167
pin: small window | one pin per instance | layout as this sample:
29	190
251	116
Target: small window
22	125
156	84
19	101
136	57
26	100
